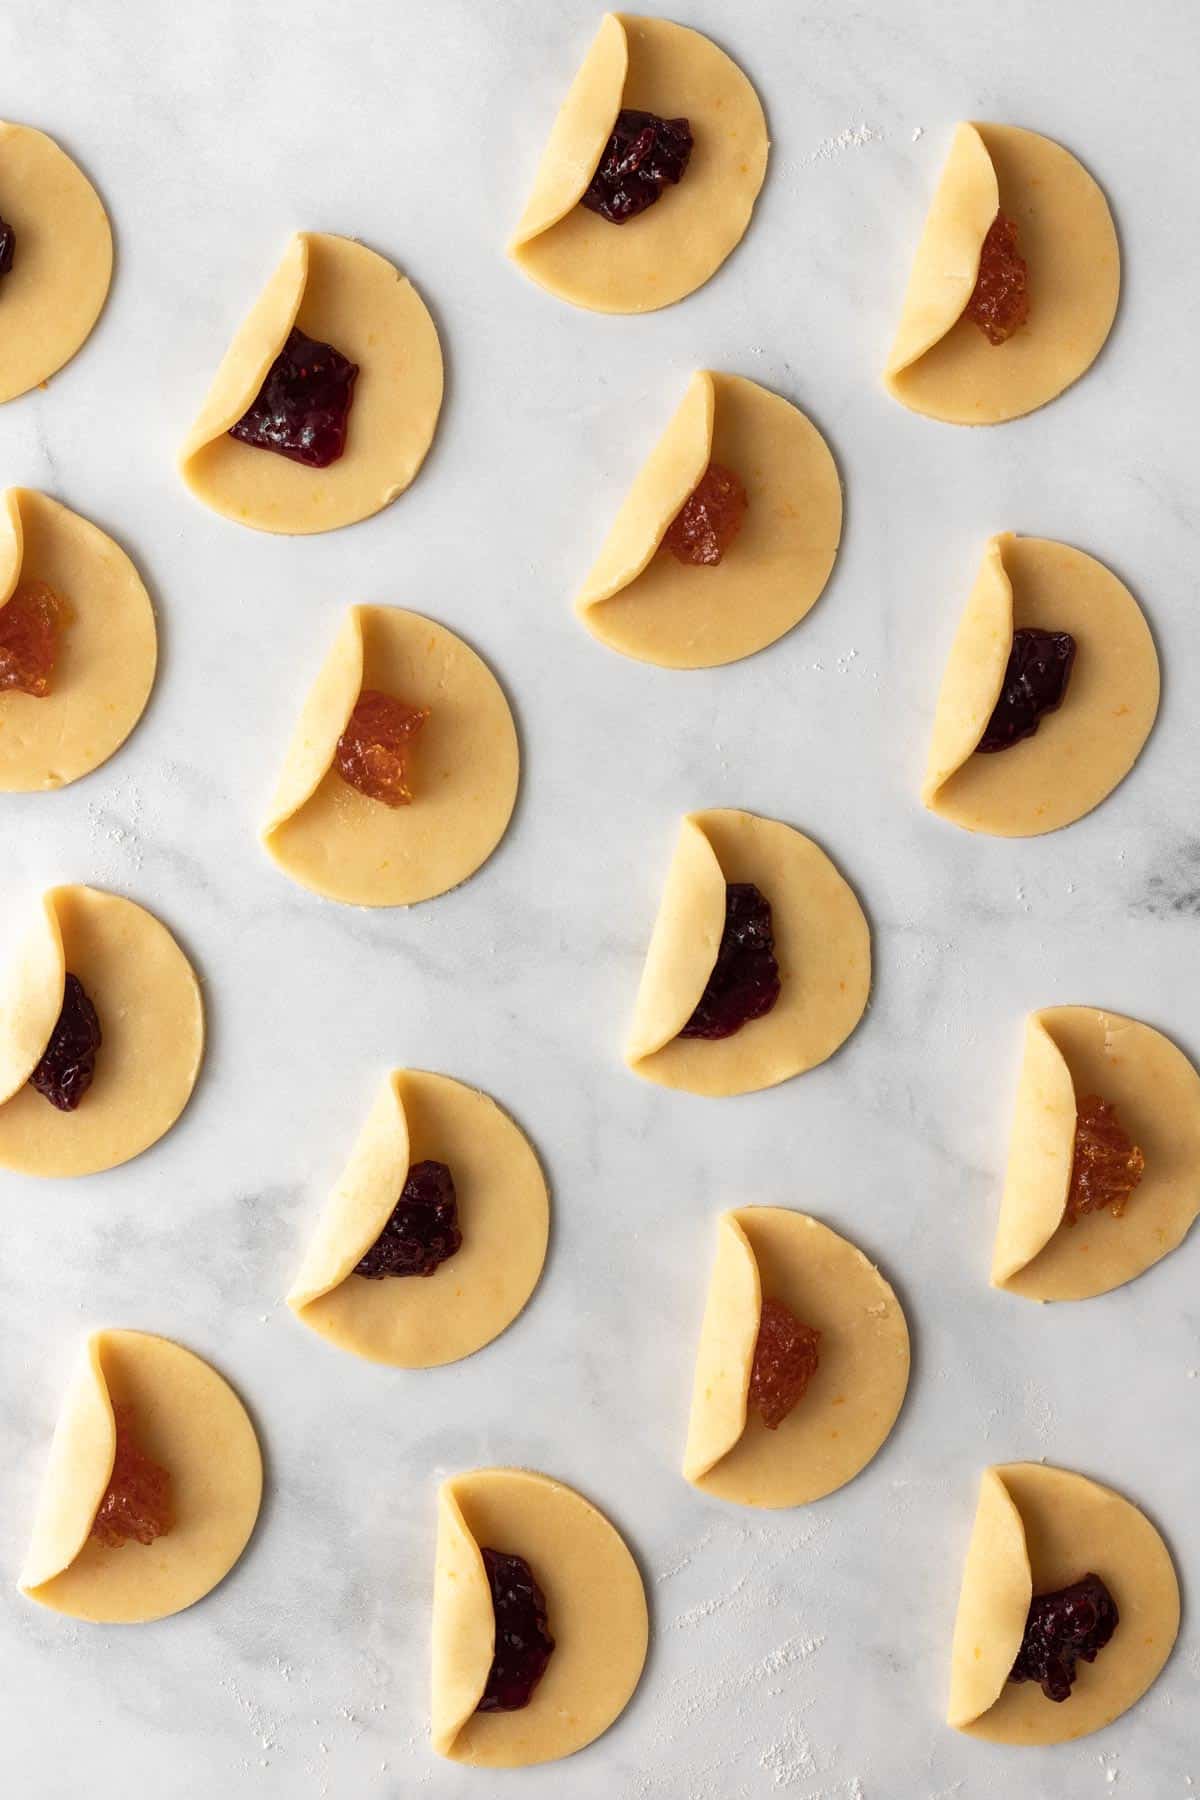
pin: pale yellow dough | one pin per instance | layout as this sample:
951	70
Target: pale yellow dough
186	1418
595	1610
822	945
417	1322
55	291
108	647
852	1401
151	1019
1079	753
465	768
1038	1529
674	246
941	363
343	294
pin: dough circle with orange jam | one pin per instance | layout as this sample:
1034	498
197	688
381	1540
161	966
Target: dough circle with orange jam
186	1418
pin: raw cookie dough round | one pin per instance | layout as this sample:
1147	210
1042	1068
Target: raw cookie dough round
675	245
418	1322
1071	1052
855	1395
466	765
941	363
151	1019
343	294
188	1419
822	944
108	647
595	1609
62	259
1079	753
1039	1529
640	599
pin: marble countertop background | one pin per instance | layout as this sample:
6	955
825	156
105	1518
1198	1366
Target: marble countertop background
801	1654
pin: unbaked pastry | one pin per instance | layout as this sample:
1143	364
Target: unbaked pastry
1079	753
1037	1529
596	1609
335	840
340	293
941	363
652	66
189	1420
62	263
641	600
108	648
151	1017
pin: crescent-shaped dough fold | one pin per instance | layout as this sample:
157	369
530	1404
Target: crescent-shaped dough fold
993	1604
323	718
726	1354
683	945
12	542
946	265
464	1624
579	134
361	1203
32	982
77	1474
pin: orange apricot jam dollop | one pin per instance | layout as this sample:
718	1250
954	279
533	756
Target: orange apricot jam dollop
709	519
137	1501
1108	1164
785	1361
373	751
30	623
999	304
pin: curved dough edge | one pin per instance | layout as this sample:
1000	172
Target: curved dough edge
81	1462
464	1624
683	946
728	1336
997	1587
1040	1157
578	135
975	670
323	718
946	265
32	985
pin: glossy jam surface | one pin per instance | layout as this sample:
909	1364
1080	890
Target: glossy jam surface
422	1232
999	304
1108	1164
8	245
68	1063
643	155
1035	681
303	405
786	1356
709	519
1063	1627
744	983
523	1643
137	1501
373	752
31	623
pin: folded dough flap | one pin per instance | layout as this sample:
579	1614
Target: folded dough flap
81	1463
723	1362
32	983
683	946
993	1604
257	343
946	265
464	1624
322	721
12	542
1041	1152
579	134
974	673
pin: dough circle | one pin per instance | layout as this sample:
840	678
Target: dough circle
55	291
108	650
941	364
595	1608
152	1020
343	294
1037	1529
853	1399
503	1210
639	599
466	766
185	1417
1080	753
822	944
673	247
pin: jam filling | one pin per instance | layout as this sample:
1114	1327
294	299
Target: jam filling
709	519
31	621
372	753
1074	1622
137	1501
68	1063
1108	1164
303	405
999	304
422	1232
785	1361
8	245
744	983
643	154
523	1643
1035	682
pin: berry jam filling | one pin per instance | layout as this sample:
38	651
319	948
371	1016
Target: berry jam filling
523	1644
137	1501
30	623
303	405
422	1232
68	1063
744	983
372	753
999	304
8	244
785	1361
1075	1622
1108	1164
709	519
643	154
1035	681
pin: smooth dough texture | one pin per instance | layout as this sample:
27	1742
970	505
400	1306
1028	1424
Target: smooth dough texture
343	294
417	1322
1080	753
108	649
466	765
641	600
1038	1529
55	291
151	1019
185	1417
1070	1052
595	1608
851	1402
822	944
941	363
673	247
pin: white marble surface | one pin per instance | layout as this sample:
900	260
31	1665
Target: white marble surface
801	1654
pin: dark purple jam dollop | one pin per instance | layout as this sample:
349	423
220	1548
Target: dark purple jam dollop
303	405
422	1232
1075	1622
1039	667
8	244
523	1644
68	1063
744	983
643	154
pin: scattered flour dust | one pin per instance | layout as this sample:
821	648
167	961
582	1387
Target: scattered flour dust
854	137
